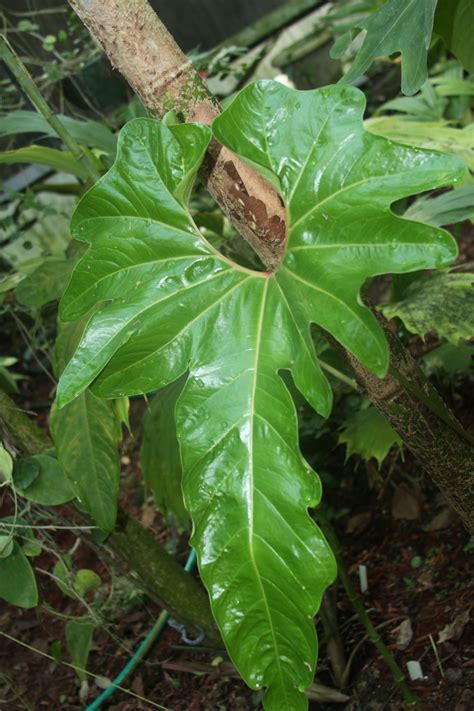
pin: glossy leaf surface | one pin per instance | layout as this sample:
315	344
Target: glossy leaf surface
403	26
169	303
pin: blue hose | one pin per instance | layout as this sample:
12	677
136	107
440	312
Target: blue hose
141	652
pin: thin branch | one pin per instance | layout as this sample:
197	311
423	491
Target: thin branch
28	86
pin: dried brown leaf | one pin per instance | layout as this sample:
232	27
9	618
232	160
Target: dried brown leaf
406	503
455	628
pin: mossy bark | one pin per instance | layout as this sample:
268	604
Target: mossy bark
163	578
17	431
425	424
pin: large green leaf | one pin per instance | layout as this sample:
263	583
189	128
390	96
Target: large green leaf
86	434
169	303
442	302
403	26
159	456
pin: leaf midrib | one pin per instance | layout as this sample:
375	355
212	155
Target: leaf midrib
327	293
251	533
130	267
344	189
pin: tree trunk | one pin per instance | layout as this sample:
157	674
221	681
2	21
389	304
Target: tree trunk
138	44
425	424
162	577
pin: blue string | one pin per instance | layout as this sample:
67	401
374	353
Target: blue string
144	648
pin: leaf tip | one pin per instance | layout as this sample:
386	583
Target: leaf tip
64	394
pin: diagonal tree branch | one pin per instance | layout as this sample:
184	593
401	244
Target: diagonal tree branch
415	410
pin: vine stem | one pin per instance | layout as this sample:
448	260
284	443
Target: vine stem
28	86
359	607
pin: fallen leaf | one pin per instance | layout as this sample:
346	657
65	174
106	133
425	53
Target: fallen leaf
455	628
466	703
405	634
138	686
406	503
358	522
148	516
446	517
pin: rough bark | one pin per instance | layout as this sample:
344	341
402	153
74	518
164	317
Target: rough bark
17	431
138	44
141	48
425	424
161	576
